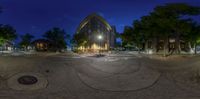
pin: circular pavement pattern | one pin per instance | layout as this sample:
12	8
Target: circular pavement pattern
114	65
27	81
187	80
122	76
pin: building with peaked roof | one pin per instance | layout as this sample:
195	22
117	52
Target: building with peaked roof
41	45
95	26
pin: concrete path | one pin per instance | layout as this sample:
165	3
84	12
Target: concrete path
119	75
155	78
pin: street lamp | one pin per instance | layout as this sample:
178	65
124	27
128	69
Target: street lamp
100	37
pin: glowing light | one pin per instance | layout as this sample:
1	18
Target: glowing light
150	51
95	47
192	51
106	46
100	37
9	48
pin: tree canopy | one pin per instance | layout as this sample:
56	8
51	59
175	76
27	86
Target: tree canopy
164	21
57	38
7	33
80	39
127	36
26	40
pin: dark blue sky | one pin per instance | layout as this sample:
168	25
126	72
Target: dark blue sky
37	16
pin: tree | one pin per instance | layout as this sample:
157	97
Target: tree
170	18
7	33
127	36
57	38
164	21
26	40
81	39
193	35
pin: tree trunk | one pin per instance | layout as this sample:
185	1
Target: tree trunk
165	52
138	46
190	46
146	47
1	49
26	48
154	43
195	48
177	47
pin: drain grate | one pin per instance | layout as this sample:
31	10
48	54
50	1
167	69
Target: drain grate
27	80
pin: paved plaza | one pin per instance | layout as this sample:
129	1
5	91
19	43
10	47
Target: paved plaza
114	76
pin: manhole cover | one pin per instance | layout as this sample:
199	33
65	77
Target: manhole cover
27	80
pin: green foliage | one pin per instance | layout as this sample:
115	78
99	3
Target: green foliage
195	33
169	18
117	35
7	33
26	40
80	39
127	36
177	10
57	38
166	20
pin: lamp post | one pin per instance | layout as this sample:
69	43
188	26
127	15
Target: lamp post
100	37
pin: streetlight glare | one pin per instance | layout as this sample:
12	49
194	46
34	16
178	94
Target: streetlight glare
100	37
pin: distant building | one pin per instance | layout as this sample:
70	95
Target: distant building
94	26
41	45
7	46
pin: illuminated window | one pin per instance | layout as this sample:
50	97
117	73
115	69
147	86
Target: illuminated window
41	45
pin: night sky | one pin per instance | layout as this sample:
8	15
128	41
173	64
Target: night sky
37	16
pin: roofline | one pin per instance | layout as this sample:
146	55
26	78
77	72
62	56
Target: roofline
84	22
